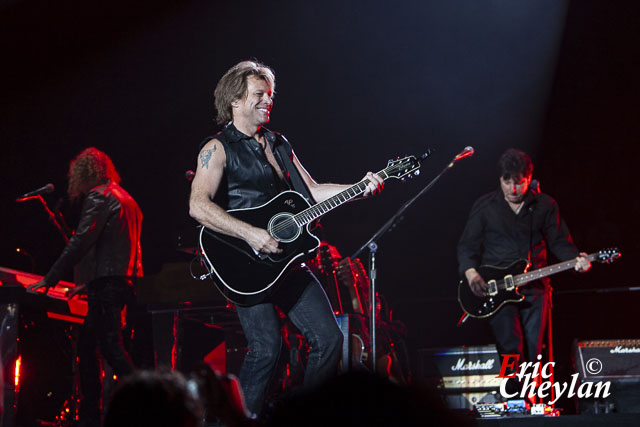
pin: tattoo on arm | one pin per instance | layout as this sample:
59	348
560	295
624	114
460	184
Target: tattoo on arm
205	156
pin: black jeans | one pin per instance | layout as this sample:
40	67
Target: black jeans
312	315
519	328
102	330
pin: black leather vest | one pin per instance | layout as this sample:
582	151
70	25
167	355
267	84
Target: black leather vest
249	178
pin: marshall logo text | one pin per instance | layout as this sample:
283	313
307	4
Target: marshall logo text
472	366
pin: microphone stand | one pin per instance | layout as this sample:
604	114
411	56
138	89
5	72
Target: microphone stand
55	217
372	245
70	407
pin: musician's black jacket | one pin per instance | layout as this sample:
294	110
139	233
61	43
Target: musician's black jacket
495	235
249	180
106	242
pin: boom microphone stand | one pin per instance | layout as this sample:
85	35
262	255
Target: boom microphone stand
56	217
70	407
372	245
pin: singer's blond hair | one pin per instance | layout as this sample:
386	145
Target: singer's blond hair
233	85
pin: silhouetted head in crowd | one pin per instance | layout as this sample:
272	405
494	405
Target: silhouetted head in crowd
221	396
154	399
363	399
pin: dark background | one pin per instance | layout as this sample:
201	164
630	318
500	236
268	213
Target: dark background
357	83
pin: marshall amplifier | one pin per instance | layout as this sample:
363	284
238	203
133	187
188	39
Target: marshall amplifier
607	359
460	368
614	361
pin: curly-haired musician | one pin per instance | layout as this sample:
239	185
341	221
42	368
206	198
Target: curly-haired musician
105	249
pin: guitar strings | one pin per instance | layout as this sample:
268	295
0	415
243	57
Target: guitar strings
313	210
310	210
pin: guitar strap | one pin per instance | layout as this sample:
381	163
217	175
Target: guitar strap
530	260
534	188
283	151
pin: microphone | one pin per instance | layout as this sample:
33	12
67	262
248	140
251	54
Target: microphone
535	186
468	151
188	175
42	190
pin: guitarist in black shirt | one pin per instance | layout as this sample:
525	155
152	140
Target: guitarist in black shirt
243	167
514	223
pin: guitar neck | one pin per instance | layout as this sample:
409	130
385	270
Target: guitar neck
319	209
523	278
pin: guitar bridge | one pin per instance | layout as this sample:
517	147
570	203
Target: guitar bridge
509	285
493	288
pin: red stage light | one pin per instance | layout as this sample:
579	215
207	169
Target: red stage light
16	374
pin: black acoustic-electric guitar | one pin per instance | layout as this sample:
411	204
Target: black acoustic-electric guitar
504	283
246	277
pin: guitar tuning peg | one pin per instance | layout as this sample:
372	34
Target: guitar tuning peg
417	172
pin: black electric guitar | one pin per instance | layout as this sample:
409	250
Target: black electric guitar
504	283
246	277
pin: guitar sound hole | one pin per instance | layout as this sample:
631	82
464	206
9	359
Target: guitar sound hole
283	228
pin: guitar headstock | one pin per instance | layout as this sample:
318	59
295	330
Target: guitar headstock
405	167
608	255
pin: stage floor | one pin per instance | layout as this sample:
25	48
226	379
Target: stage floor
618	420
